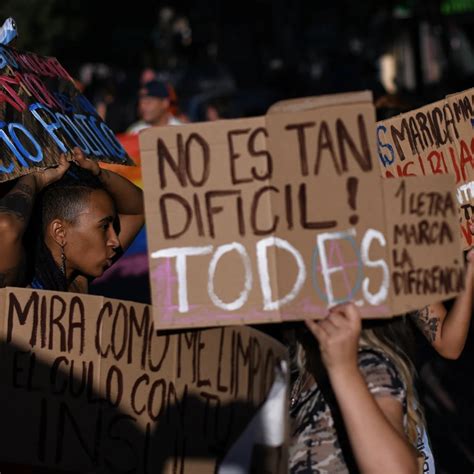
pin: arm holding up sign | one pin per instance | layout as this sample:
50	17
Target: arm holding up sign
15	212
87	219
82	221
372	385
368	391
127	197
447	330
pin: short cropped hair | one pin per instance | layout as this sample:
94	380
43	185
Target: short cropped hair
65	198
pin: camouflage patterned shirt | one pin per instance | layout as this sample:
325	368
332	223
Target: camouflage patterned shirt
315	445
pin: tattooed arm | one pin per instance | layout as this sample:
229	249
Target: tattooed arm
15	212
447	330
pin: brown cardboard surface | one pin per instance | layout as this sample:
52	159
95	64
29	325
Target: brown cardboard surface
330	233
155	402
422	215
233	187
45	116
434	139
268	218
48	363
308	103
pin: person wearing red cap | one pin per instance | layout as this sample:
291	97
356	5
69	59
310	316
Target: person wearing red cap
154	107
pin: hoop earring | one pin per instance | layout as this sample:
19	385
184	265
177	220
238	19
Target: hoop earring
63	261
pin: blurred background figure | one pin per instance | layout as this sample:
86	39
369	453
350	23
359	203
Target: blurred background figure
148	74
111	92
219	108
154	107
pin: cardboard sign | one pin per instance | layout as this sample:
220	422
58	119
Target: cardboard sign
421	232
43	114
435	139
89	385
279	217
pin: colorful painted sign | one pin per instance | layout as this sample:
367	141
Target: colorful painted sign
43	114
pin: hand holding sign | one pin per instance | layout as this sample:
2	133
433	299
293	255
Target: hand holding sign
338	337
45	176
84	162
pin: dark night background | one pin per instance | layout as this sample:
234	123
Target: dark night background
263	49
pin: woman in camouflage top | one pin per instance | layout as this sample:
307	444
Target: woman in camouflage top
356	410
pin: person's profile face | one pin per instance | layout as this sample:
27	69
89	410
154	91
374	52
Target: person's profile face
92	240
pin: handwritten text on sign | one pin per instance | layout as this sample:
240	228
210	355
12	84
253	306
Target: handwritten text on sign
88	383
436	139
269	218
42	115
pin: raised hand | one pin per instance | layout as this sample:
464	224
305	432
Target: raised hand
338	337
43	177
81	160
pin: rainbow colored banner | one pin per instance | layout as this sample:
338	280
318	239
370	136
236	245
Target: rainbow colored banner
133	173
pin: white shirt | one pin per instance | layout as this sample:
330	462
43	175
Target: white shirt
141	125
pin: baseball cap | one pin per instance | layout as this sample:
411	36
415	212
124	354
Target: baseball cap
155	89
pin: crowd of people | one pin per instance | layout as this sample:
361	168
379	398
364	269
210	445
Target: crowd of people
127	103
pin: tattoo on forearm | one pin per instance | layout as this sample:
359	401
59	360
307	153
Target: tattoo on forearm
427	322
18	202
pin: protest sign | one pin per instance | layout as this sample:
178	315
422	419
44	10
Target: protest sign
435	139
89	385
43	114
276	218
422	231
